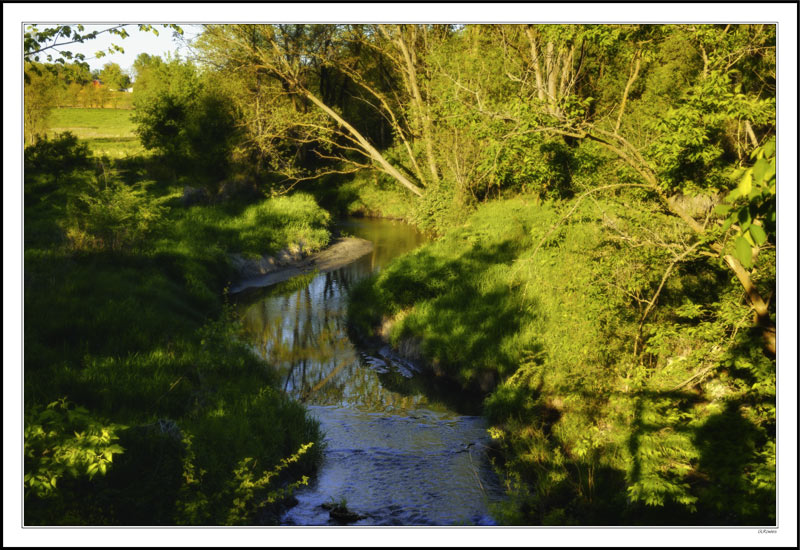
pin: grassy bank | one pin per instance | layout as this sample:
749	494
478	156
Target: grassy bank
594	422
142	406
366	194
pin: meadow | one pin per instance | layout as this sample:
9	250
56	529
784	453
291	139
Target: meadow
107	132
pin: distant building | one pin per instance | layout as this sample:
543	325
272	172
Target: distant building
129	90
96	83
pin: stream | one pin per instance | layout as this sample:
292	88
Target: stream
393	454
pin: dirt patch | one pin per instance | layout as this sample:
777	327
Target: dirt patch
342	252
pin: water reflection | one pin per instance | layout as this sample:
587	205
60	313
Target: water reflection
304	334
397	458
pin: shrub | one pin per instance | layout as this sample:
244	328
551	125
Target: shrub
63	440
56	156
112	215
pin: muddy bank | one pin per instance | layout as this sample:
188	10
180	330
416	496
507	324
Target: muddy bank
269	271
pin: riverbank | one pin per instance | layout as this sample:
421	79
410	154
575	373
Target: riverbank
586	433
270	270
142	404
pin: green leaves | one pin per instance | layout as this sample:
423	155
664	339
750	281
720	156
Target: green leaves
746	183
758	235
751	205
743	252
62	440
36	41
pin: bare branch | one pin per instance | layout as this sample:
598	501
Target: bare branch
652	301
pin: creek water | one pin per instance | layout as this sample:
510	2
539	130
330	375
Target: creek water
393	452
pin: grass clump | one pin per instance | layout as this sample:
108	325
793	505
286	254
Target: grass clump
265	227
367	194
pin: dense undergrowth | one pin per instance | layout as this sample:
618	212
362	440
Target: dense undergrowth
594	423
142	406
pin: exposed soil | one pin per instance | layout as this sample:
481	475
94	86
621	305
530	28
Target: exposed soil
340	253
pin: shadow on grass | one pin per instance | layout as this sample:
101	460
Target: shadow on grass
727	478
465	316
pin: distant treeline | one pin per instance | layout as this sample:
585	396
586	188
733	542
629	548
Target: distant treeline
90	95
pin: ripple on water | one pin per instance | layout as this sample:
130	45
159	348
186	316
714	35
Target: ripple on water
412	476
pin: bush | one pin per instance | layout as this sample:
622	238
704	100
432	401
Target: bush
112	215
57	156
62	440
186	119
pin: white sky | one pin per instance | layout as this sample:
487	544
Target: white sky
14	15
138	42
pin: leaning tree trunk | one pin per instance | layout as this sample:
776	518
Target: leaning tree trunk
371	151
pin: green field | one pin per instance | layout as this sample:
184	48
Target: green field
109	132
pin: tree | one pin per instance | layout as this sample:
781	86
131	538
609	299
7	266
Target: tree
186	117
39	99
142	67
291	57
113	77
613	86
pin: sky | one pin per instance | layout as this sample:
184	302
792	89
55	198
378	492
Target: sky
138	42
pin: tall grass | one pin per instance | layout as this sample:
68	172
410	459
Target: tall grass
140	336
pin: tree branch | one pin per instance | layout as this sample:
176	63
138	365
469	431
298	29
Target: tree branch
652	301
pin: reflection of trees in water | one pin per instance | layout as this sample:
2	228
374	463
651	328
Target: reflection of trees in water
303	335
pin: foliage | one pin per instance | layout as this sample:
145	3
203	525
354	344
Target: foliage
136	332
571	172
50	40
114	78
751	206
112	215
246	485
544	317
64	440
56	157
183	117
39	100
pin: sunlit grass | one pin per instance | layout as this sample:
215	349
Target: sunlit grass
107	132
93	123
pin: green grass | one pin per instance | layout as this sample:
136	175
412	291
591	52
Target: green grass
93	123
364	194
140	337
107	132
585	432
264	227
